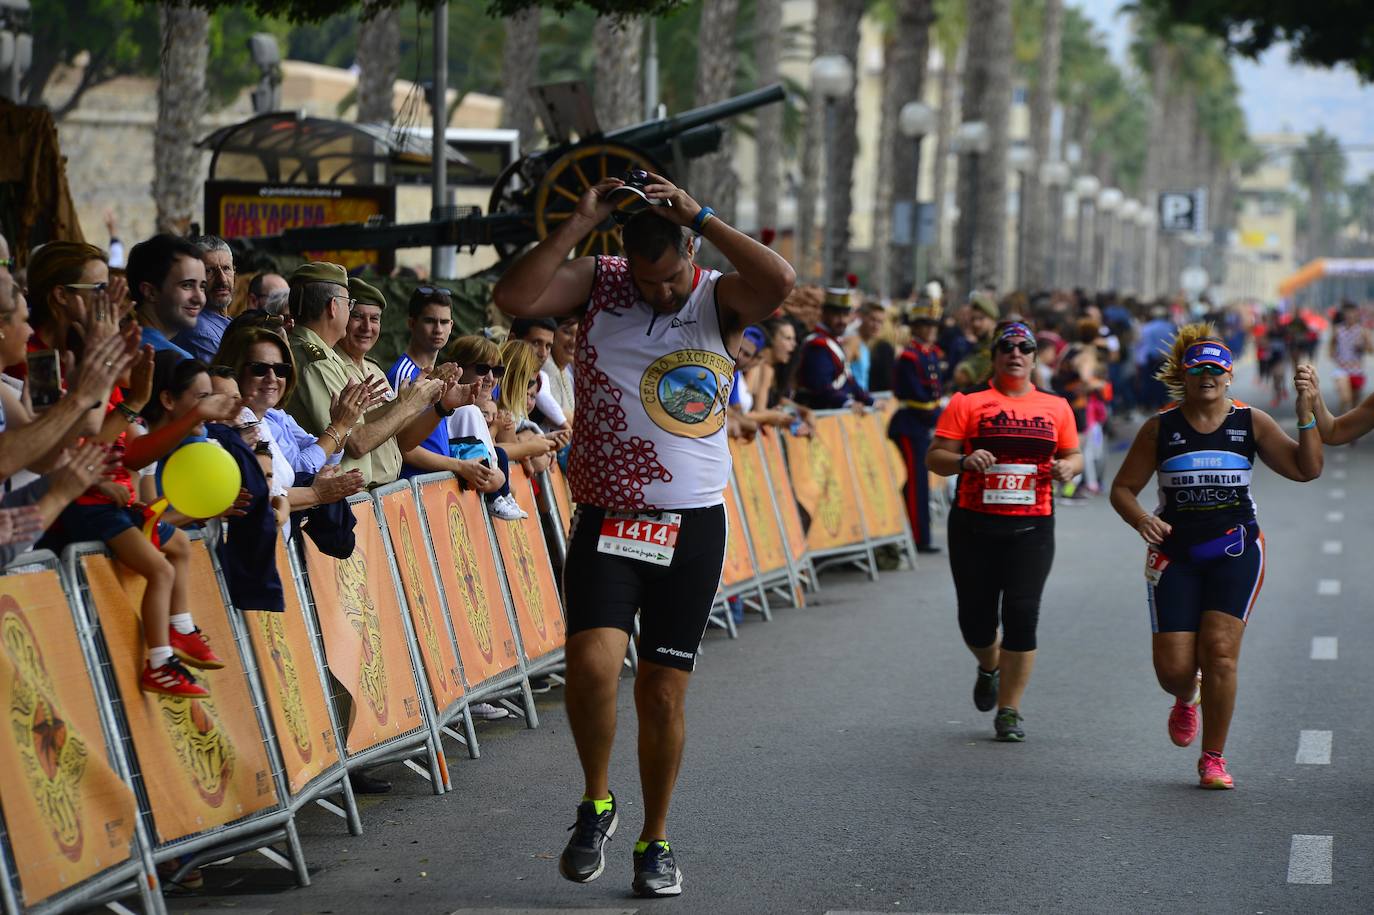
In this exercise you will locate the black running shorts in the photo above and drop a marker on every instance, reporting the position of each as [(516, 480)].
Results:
[(674, 601)]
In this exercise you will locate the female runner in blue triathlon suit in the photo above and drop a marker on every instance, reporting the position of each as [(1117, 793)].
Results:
[(1205, 558)]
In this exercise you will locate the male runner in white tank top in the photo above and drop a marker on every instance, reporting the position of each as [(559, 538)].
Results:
[(648, 467)]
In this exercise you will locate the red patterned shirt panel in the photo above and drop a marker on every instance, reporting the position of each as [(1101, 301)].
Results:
[(1024, 434)]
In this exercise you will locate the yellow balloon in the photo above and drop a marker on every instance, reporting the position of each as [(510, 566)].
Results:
[(201, 480)]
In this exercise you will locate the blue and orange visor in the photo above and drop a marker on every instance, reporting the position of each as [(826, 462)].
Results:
[(1208, 352)]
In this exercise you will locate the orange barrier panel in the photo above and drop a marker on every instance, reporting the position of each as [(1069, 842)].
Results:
[(882, 415), (291, 683), (784, 493), (204, 761), (472, 586), (526, 559), (364, 636), (867, 455), (737, 568), (68, 814), (824, 487), (422, 594), (562, 496), (758, 507)]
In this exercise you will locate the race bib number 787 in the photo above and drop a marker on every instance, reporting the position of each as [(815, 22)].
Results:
[(1009, 484)]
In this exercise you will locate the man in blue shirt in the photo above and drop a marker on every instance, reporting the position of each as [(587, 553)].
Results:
[(167, 283), (202, 341)]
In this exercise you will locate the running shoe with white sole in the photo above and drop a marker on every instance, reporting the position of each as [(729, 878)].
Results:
[(1184, 718), (1211, 771), (584, 858), (507, 509), (487, 712), (1008, 725), (656, 872)]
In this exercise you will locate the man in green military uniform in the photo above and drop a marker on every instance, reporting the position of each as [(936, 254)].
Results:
[(321, 303), (974, 369)]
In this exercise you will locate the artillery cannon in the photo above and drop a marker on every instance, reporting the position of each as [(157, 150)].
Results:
[(539, 190)]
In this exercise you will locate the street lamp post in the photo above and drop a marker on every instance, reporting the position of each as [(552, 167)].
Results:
[(1055, 175), (1085, 188), (1146, 219), (916, 121), (832, 78), (1021, 159), (1124, 264), (1107, 202), (972, 139)]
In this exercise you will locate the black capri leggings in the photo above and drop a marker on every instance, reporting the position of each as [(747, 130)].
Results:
[(1000, 563)]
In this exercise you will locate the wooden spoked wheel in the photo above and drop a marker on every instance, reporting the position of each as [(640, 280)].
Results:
[(568, 179)]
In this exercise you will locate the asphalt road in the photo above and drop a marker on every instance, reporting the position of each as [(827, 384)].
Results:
[(835, 761)]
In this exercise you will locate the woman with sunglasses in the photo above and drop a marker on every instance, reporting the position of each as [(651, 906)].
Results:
[(262, 363), (1009, 443), (69, 284), (1204, 560)]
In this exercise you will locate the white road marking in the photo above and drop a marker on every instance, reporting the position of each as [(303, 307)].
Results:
[(1309, 859), (1333, 547), (1329, 587), (1336, 493), (1314, 748), (1335, 517), (1340, 457), (1338, 474), (1324, 648)]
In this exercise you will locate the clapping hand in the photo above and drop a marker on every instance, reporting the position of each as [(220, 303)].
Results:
[(23, 524)]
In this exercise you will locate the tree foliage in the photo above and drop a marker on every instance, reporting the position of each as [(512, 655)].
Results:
[(1326, 33), (301, 11)]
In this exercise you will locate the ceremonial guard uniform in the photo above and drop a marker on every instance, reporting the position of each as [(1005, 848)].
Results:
[(824, 381), (917, 384)]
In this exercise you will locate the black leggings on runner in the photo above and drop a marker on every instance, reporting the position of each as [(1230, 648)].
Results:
[(999, 560)]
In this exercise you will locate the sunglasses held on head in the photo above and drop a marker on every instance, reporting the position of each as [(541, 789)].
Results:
[(1007, 347)]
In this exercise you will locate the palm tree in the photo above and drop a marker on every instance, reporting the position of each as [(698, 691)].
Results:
[(519, 72), (980, 240), (1319, 167), (768, 120), (619, 90), (842, 37), (904, 71), (713, 179), (379, 62), (1035, 206), (181, 99), (950, 29)]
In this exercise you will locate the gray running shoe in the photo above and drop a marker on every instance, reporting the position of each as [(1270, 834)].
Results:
[(1008, 725), (656, 873), (985, 689), (585, 857)]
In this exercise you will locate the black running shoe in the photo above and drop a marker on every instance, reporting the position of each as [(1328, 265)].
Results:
[(585, 857), (656, 872), (985, 689), (1008, 725)]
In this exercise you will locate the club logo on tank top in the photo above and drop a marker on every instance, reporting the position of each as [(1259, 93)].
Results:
[(686, 392)]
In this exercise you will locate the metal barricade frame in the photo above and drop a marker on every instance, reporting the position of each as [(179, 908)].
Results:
[(257, 831), (136, 876)]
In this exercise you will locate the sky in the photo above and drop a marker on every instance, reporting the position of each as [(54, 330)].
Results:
[(1278, 95)]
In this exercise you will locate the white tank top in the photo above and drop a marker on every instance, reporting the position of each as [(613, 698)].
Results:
[(651, 391)]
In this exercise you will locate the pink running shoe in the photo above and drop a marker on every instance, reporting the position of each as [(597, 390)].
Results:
[(1183, 718), (1211, 770)]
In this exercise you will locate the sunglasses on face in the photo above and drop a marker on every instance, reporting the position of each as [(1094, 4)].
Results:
[(484, 368), (260, 369), (1006, 348), (1207, 369)]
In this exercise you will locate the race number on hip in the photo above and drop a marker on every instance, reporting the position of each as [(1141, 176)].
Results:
[(1009, 484), (648, 537)]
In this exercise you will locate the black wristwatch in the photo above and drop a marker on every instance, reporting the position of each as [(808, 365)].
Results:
[(442, 412)]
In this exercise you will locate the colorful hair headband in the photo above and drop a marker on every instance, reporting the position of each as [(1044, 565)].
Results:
[(755, 336), (1208, 352), (1015, 329)]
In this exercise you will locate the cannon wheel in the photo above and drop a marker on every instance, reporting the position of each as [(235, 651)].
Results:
[(569, 177)]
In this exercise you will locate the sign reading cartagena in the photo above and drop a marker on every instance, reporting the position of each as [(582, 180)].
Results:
[(244, 209)]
